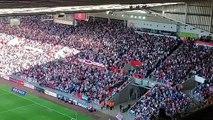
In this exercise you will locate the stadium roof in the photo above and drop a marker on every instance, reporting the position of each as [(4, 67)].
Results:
[(132, 15), (69, 6), (54, 3), (71, 9)]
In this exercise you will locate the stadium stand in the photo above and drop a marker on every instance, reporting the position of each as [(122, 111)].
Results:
[(175, 69), (170, 99), (45, 39), (88, 60)]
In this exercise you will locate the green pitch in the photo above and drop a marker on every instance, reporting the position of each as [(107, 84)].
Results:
[(29, 107)]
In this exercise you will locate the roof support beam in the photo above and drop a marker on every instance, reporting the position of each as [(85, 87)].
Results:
[(211, 15), (186, 12)]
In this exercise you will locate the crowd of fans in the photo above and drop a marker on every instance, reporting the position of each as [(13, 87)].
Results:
[(112, 45), (32, 55), (203, 91), (182, 63), (205, 70), (172, 100), (189, 59)]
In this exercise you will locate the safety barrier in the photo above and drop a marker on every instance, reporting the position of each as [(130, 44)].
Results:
[(79, 100)]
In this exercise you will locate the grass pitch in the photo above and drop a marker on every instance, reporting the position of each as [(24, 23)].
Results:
[(29, 107)]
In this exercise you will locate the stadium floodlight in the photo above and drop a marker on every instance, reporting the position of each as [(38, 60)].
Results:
[(139, 17), (131, 16), (135, 16), (144, 17), (109, 12), (122, 15)]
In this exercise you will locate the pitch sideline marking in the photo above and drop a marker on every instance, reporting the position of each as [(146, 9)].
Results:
[(16, 108), (4, 94), (2, 91), (40, 105)]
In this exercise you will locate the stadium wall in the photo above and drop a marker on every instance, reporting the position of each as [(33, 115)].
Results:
[(152, 25), (124, 95), (51, 92), (159, 22), (191, 30), (63, 19), (182, 30)]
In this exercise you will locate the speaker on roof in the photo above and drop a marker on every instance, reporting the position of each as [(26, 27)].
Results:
[(61, 15), (137, 7), (62, 18)]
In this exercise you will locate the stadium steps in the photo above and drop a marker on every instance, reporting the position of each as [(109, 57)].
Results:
[(189, 94), (146, 87), (193, 105), (151, 72)]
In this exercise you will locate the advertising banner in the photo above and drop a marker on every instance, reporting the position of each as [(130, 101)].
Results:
[(80, 16), (204, 43), (13, 80), (50, 93), (88, 62), (19, 91), (16, 81), (81, 105), (29, 85)]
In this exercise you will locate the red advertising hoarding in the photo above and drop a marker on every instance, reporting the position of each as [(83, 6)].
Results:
[(80, 16)]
